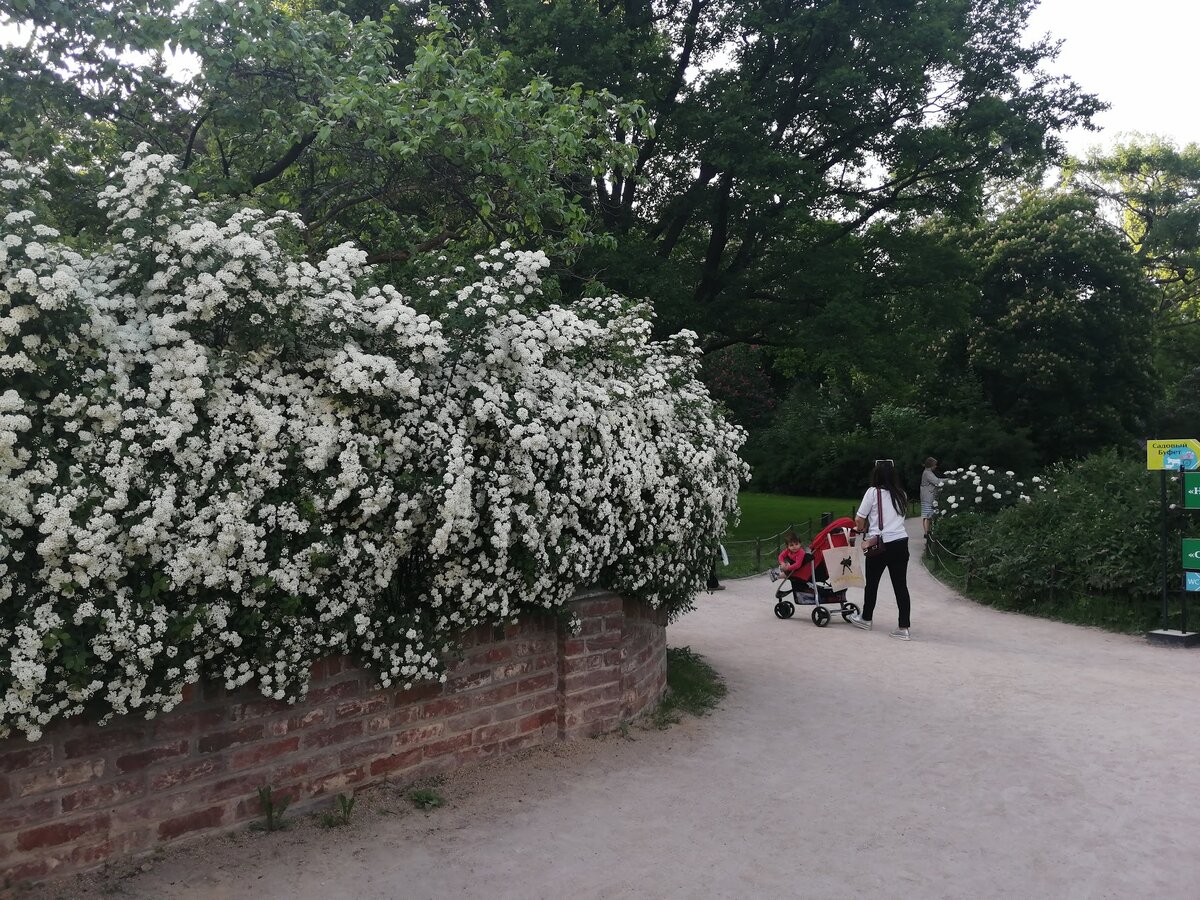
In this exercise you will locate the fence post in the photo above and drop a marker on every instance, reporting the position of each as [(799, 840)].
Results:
[(758, 554)]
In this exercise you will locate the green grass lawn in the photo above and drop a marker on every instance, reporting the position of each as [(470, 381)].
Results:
[(764, 515)]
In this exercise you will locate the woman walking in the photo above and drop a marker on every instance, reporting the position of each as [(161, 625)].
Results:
[(929, 488), (882, 513)]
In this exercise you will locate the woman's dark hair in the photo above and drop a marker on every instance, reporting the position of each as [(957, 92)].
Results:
[(884, 476), (930, 462)]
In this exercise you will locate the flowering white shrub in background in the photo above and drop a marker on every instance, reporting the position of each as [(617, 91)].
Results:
[(219, 460), (983, 489)]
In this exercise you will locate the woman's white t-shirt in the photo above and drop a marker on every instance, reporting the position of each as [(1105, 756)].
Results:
[(893, 522)]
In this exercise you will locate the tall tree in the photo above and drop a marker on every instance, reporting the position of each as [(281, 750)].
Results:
[(777, 130), (1059, 339), (401, 145), (1151, 188)]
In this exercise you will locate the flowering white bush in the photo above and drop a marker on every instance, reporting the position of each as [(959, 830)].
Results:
[(983, 489), (219, 460)]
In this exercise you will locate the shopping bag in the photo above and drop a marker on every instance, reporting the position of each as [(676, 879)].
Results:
[(844, 566)]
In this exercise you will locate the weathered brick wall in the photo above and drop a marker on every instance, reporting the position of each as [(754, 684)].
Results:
[(85, 794)]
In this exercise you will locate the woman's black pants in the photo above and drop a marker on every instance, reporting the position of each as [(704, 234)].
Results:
[(894, 558)]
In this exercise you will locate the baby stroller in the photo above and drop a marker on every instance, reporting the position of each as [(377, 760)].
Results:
[(811, 585)]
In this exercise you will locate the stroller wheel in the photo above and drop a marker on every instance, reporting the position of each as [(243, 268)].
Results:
[(785, 609), (848, 609), (820, 617)]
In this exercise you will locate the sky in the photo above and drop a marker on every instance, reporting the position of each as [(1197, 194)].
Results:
[(1140, 56)]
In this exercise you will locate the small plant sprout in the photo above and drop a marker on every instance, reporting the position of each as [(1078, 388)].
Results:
[(426, 798), (272, 808), (341, 815)]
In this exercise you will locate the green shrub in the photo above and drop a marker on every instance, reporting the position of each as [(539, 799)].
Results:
[(1086, 550)]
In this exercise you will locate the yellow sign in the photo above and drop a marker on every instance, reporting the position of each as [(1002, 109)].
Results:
[(1177, 455)]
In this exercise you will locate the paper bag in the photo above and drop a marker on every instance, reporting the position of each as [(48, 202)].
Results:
[(845, 567)]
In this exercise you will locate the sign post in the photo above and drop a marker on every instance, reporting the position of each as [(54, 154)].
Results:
[(1180, 455), (1191, 490)]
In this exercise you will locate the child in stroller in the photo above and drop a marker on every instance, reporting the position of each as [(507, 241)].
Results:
[(791, 565), (805, 578)]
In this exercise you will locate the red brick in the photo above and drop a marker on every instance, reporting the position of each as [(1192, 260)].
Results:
[(135, 762), (336, 665), (106, 793), (533, 648), (251, 807), (524, 705), (475, 754), (490, 734), (298, 722), (512, 670), (417, 694), (24, 871), (537, 682), (89, 854), (496, 654), (185, 724), (259, 753), (493, 695), (524, 742), (103, 738), (222, 740), (63, 776), (256, 709), (61, 832), (205, 818), (336, 782), (447, 706), (338, 691), (535, 721), (17, 815), (592, 695), (364, 706), (449, 745), (28, 758), (336, 734), (293, 769), (575, 682), (574, 647), (469, 721), (183, 773), (5, 789), (139, 813), (392, 720), (469, 681), (419, 735), (227, 788), (365, 750), (396, 761)]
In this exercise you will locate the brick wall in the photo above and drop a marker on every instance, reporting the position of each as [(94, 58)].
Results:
[(85, 794)]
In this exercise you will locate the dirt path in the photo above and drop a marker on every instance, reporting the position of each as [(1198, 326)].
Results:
[(993, 756)]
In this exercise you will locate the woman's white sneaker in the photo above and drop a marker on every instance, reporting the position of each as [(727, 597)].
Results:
[(859, 622), (902, 634)]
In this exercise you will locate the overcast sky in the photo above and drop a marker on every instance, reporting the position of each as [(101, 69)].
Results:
[(1141, 56)]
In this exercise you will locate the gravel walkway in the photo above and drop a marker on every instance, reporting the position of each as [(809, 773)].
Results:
[(993, 756)]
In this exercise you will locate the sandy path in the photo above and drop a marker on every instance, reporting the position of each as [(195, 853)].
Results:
[(993, 756)]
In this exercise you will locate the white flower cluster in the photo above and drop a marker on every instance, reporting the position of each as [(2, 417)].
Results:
[(983, 489), (217, 460)]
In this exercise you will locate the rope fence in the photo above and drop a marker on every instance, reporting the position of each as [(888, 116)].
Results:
[(754, 556)]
